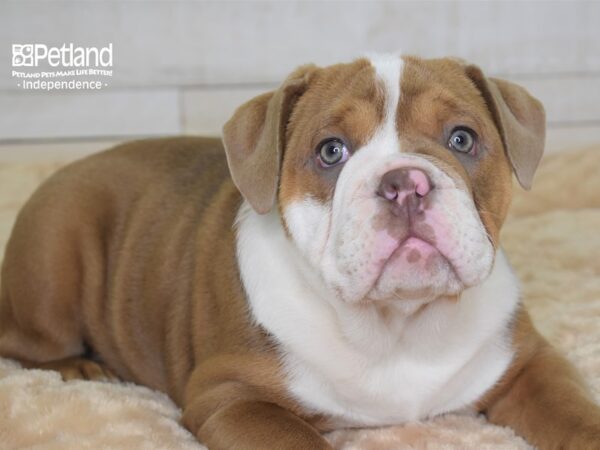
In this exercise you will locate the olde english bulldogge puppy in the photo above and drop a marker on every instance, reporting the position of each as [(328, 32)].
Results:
[(333, 262)]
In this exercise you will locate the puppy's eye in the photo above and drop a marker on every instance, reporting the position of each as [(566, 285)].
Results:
[(462, 140), (332, 152)]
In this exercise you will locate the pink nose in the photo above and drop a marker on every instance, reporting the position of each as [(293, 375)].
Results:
[(398, 184)]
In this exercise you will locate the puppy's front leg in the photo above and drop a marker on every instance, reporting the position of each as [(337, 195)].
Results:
[(255, 425), (235, 403), (543, 398)]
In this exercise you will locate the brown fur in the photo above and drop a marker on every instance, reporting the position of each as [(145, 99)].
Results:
[(542, 397), (129, 255)]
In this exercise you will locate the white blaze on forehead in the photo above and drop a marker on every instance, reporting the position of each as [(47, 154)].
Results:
[(388, 69)]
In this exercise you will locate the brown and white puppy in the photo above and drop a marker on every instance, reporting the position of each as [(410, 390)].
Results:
[(357, 280)]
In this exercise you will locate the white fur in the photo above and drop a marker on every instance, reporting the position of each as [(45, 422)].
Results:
[(349, 361)]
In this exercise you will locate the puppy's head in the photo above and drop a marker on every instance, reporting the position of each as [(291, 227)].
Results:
[(392, 176)]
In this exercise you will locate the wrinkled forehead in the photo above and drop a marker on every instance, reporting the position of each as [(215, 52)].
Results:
[(353, 99), (435, 91), (344, 99)]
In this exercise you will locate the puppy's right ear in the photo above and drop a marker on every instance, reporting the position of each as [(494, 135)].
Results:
[(254, 140), (521, 120)]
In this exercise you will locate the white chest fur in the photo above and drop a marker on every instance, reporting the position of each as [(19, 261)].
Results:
[(360, 366)]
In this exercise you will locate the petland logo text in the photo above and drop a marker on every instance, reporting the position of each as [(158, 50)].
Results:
[(72, 63), (30, 55)]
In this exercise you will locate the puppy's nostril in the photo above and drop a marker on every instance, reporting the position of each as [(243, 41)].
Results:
[(421, 190), (421, 181), (388, 192)]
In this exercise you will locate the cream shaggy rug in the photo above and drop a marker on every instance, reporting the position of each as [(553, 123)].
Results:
[(552, 238)]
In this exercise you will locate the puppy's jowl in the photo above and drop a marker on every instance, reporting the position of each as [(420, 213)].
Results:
[(335, 262)]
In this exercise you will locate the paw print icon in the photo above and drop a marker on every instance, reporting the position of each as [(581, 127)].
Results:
[(22, 55)]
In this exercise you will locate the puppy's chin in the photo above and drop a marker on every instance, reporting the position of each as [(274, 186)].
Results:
[(416, 270)]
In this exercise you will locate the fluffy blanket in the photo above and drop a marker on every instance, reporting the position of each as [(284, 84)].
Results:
[(552, 238)]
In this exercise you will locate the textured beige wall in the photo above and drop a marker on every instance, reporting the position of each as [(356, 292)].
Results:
[(182, 67)]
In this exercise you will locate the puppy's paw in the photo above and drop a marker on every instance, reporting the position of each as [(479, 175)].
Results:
[(79, 369)]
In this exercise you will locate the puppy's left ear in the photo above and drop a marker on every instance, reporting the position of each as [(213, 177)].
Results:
[(254, 140), (521, 120)]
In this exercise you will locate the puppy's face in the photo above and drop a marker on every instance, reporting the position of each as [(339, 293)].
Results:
[(394, 179)]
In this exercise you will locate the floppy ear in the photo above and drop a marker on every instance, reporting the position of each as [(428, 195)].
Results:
[(254, 140), (520, 119)]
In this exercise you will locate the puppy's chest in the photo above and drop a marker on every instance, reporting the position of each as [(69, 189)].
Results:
[(342, 361), (426, 375)]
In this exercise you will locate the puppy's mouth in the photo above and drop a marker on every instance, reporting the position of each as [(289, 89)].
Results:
[(414, 240), (416, 268), (415, 249), (417, 253)]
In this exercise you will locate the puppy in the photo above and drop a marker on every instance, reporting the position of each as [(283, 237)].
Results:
[(334, 262)]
